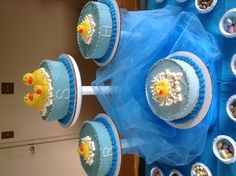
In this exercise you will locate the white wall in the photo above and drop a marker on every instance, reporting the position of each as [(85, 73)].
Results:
[(31, 30)]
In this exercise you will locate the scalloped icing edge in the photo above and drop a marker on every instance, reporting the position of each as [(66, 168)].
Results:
[(115, 160), (201, 97), (65, 121), (99, 29), (115, 36)]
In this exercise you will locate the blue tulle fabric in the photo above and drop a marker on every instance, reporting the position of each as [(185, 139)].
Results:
[(147, 36)]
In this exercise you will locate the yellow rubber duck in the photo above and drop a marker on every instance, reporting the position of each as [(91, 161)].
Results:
[(41, 90), (34, 100), (83, 150), (83, 28), (162, 89), (34, 78)]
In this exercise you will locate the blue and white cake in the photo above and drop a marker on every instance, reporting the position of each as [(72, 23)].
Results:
[(99, 147), (56, 87), (98, 30), (175, 89)]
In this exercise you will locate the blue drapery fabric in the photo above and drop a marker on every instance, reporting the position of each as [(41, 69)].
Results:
[(146, 37), (226, 86)]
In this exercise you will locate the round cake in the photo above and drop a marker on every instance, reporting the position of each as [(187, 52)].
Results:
[(98, 30), (99, 147), (56, 90), (175, 89)]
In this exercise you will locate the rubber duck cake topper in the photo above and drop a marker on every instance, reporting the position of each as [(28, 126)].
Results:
[(41, 98)]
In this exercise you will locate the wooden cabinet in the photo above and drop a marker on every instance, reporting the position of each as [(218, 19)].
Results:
[(54, 159)]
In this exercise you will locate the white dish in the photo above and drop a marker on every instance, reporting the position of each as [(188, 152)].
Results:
[(231, 101), (208, 9), (175, 172), (216, 151), (201, 165), (233, 64), (229, 13), (154, 170)]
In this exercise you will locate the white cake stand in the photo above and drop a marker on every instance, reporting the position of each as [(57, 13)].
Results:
[(208, 92), (80, 91)]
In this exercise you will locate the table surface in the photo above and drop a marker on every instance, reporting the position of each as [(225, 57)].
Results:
[(226, 86)]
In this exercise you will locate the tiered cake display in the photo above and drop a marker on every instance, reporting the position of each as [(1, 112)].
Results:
[(156, 86)]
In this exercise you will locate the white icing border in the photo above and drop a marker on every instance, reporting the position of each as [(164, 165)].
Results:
[(208, 92)]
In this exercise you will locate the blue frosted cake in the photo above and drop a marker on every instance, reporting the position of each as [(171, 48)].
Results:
[(98, 30), (175, 89), (55, 90), (99, 147)]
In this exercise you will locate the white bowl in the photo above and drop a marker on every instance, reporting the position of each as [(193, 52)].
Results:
[(202, 165), (216, 152), (154, 170), (175, 172), (221, 23), (208, 9), (230, 101), (233, 64)]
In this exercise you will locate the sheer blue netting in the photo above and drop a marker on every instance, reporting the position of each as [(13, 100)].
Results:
[(147, 36)]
